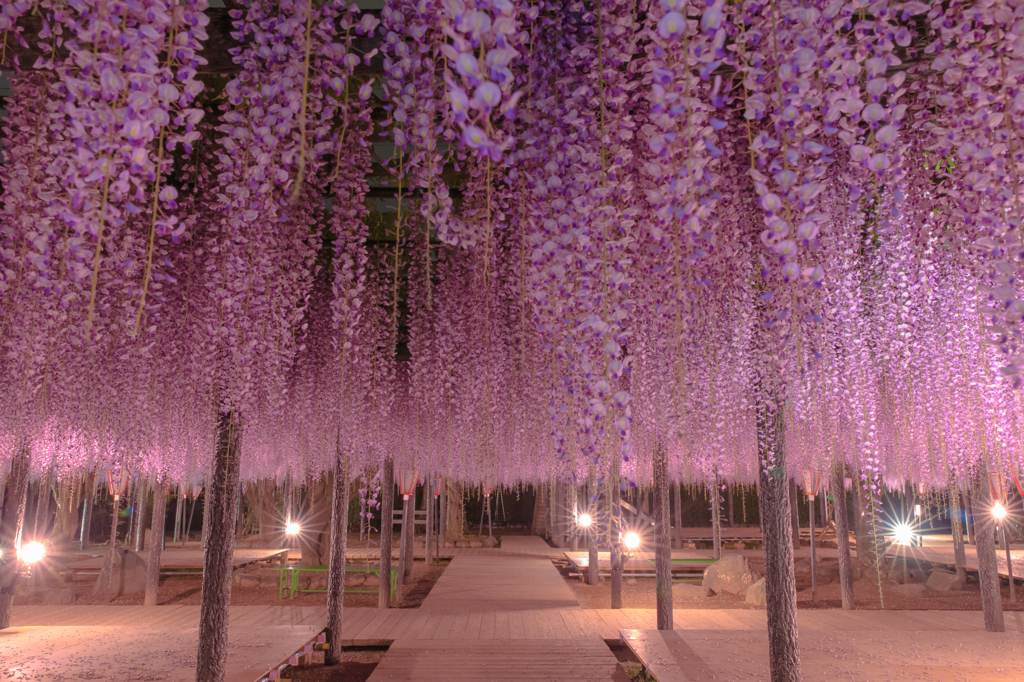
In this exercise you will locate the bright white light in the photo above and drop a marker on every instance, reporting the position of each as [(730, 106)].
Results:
[(917, 510), (903, 534), (291, 529), (632, 540), (999, 511), (31, 552), (585, 520)]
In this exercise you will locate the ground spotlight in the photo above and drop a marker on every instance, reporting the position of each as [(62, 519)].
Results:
[(292, 528), (631, 540), (585, 520), (31, 552), (999, 511)]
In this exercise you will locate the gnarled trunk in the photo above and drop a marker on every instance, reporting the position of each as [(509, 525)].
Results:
[(662, 539), (776, 530), (156, 543), (336, 575), (11, 527), (988, 570), (215, 601), (842, 535), (387, 518)]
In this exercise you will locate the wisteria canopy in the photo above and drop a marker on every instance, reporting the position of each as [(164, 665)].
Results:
[(513, 240)]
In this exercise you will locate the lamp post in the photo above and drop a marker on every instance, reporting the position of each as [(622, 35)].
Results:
[(117, 481), (999, 512), (812, 481)]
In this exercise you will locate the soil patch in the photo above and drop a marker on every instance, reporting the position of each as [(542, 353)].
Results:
[(357, 664)]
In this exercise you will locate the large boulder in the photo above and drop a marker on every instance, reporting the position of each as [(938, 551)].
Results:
[(756, 594), (732, 574), (490, 541), (129, 574), (942, 580), (909, 590)]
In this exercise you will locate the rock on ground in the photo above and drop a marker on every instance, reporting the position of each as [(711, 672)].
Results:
[(756, 594), (129, 574), (941, 580), (490, 541), (910, 589), (61, 596), (731, 574)]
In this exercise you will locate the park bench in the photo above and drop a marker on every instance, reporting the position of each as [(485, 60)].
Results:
[(294, 572)]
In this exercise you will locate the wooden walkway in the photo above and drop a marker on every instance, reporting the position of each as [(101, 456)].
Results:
[(946, 555)]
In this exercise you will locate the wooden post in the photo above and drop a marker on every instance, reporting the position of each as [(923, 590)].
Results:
[(972, 534), (729, 505), (178, 514), (140, 512), (988, 570), (676, 487), (594, 532), (336, 574), (156, 542), (387, 517), (795, 512), (112, 559), (776, 529), (215, 601), (959, 551), (88, 493), (716, 518), (12, 525), (614, 528), (442, 508), (428, 540), (814, 554), (662, 539), (1009, 562), (842, 535)]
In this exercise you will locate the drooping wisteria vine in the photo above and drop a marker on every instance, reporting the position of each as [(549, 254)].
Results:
[(594, 229)]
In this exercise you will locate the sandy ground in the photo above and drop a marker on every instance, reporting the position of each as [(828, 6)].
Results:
[(641, 595), (186, 590)]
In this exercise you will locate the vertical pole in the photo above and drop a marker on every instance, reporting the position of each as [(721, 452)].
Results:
[(240, 518), (42, 519), (428, 544), (1009, 563), (814, 557), (776, 528), (679, 513), (795, 513), (403, 538), (972, 535), (442, 503), (112, 559), (574, 508), (215, 601), (410, 543), (140, 515), (156, 542), (594, 532), (336, 574), (12, 524), (87, 495), (490, 520), (959, 551), (716, 518), (614, 527), (663, 539), (387, 517), (177, 515), (842, 535), (728, 502), (988, 570)]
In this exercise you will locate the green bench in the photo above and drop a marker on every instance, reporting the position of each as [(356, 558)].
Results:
[(296, 572)]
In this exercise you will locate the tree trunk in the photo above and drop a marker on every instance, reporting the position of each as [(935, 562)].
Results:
[(336, 575), (794, 511), (456, 514), (614, 528), (959, 551), (729, 505), (972, 534), (387, 517), (315, 539), (988, 570), (141, 507), (776, 530), (662, 539), (442, 508), (842, 535), (262, 496), (156, 544), (215, 601), (11, 526), (178, 512)]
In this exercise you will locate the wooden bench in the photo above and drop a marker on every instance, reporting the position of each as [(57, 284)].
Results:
[(296, 571)]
